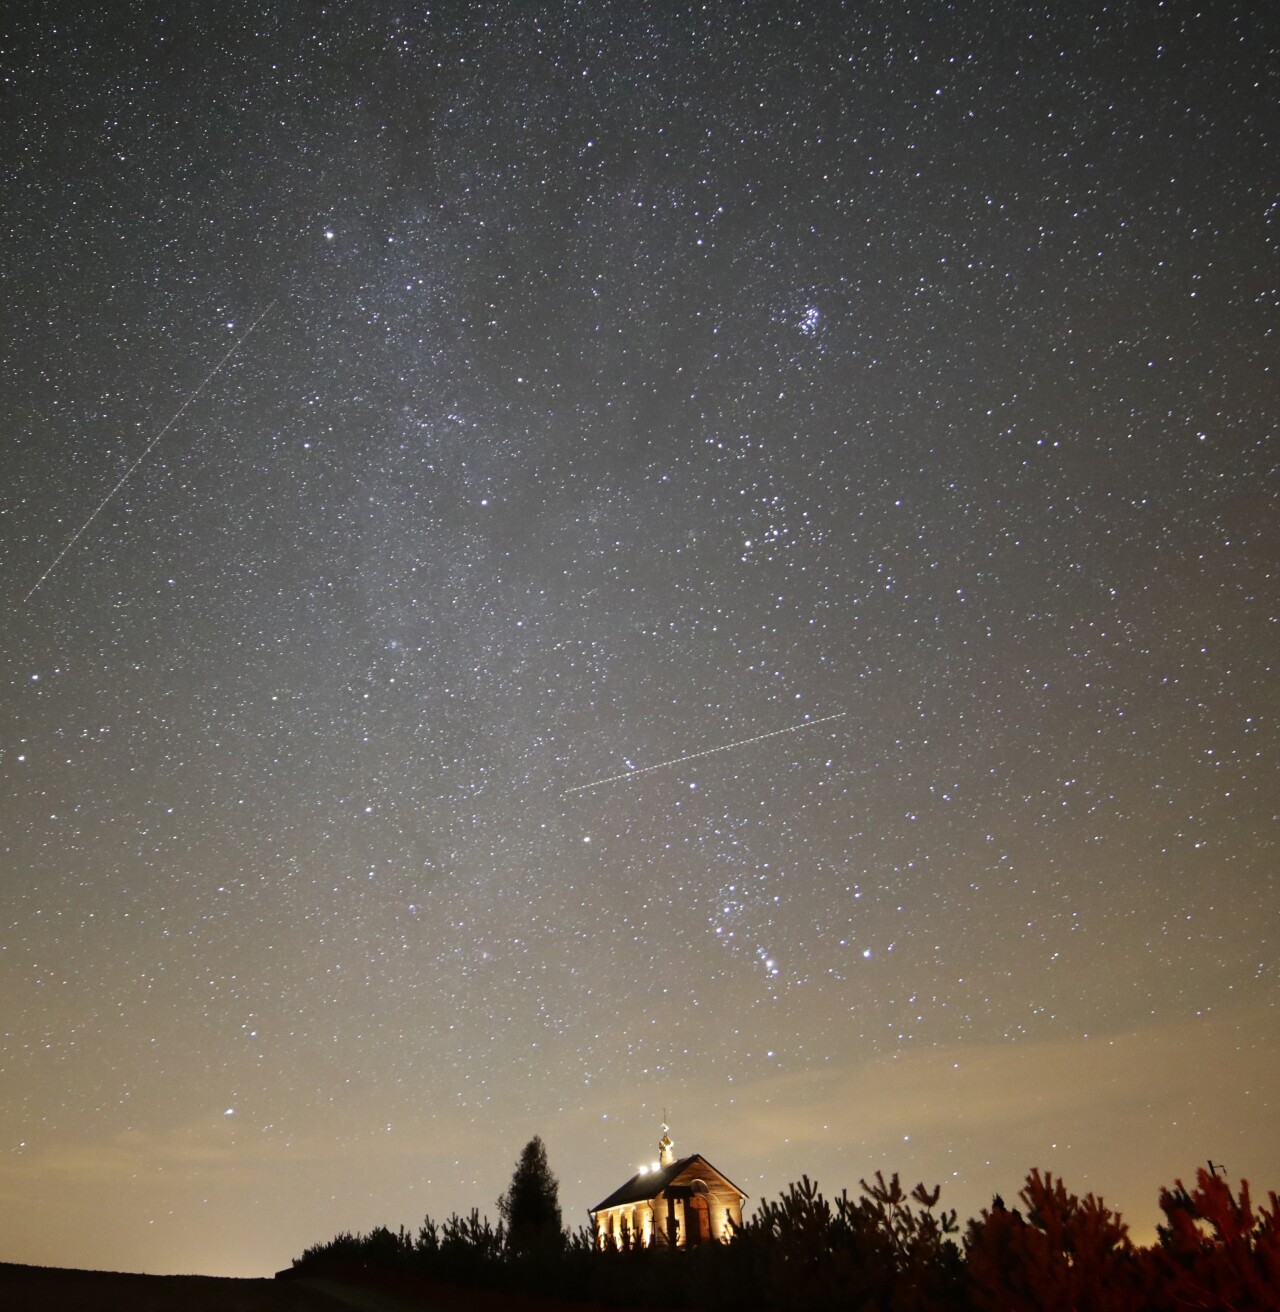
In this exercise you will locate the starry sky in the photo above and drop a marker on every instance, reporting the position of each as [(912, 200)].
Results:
[(708, 557)]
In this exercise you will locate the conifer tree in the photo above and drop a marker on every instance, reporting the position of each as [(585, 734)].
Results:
[(531, 1205)]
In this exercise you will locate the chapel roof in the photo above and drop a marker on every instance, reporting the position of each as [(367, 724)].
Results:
[(645, 1185)]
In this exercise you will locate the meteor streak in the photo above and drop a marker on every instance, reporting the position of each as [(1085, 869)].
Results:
[(710, 751), (128, 473)]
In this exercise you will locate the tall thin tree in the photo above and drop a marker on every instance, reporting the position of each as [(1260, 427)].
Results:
[(531, 1205)]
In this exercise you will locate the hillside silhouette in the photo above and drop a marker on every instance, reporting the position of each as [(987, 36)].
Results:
[(884, 1250), (55, 1289)]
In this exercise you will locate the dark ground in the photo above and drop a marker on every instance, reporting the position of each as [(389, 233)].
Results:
[(53, 1289)]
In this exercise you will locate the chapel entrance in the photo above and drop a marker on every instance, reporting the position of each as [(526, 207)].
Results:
[(699, 1214)]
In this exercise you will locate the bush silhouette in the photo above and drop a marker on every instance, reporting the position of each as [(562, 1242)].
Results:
[(1215, 1249), (1068, 1254), (884, 1251)]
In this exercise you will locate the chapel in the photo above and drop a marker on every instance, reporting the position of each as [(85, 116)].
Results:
[(675, 1203)]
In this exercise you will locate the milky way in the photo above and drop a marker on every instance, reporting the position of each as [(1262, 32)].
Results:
[(642, 378)]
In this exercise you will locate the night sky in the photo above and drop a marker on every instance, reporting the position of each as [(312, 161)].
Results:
[(883, 393)]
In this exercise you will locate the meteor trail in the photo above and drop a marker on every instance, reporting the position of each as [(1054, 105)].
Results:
[(177, 414), (711, 751)]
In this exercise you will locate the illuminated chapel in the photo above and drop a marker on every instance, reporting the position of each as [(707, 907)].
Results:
[(675, 1203)]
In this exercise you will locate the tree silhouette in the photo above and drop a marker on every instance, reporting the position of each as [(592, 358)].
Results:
[(1068, 1254), (888, 1250), (1218, 1249), (806, 1252), (531, 1205)]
